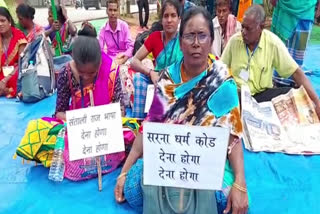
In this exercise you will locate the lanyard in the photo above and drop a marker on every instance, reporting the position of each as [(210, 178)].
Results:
[(6, 56), (116, 42), (82, 91), (250, 57), (249, 60), (6, 51), (165, 51)]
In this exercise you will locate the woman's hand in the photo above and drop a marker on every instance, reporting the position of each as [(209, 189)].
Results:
[(121, 59), (61, 116), (118, 190), (154, 76), (237, 202)]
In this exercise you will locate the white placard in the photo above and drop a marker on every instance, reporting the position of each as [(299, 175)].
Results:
[(94, 131), (149, 99), (182, 156)]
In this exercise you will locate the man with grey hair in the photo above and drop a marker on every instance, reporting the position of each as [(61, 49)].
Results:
[(253, 54)]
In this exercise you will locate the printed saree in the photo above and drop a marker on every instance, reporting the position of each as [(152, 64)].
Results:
[(287, 14), (209, 99), (105, 82), (37, 30), (66, 41), (169, 55), (10, 58)]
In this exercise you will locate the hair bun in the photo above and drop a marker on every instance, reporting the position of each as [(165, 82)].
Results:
[(87, 30)]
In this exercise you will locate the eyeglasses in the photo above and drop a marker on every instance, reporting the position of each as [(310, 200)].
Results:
[(190, 38)]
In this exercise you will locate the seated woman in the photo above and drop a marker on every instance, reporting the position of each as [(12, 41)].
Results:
[(89, 70), (30, 29), (12, 43), (191, 92), (65, 27), (224, 26), (165, 48)]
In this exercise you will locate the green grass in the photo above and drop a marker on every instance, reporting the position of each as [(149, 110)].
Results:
[(98, 24), (315, 35)]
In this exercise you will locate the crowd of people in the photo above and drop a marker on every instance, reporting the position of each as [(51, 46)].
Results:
[(192, 57)]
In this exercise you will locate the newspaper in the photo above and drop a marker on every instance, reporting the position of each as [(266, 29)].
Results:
[(288, 123), (295, 108)]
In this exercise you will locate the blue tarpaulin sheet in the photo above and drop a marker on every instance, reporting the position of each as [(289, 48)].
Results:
[(278, 183)]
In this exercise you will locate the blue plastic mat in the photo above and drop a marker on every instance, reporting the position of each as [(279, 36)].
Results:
[(277, 183), (280, 183), (27, 189)]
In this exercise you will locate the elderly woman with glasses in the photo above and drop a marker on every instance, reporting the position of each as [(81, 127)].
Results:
[(199, 91)]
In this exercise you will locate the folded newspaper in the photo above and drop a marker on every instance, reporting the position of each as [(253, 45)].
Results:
[(287, 124)]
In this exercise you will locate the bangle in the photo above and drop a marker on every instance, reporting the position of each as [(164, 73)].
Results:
[(122, 175), (140, 129), (240, 188)]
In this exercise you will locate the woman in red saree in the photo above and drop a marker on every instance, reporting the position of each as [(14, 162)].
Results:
[(12, 43)]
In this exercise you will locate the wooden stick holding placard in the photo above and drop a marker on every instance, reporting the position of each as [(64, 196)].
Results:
[(99, 173), (97, 158)]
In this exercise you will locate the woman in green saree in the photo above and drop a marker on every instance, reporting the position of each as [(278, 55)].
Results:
[(197, 90)]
